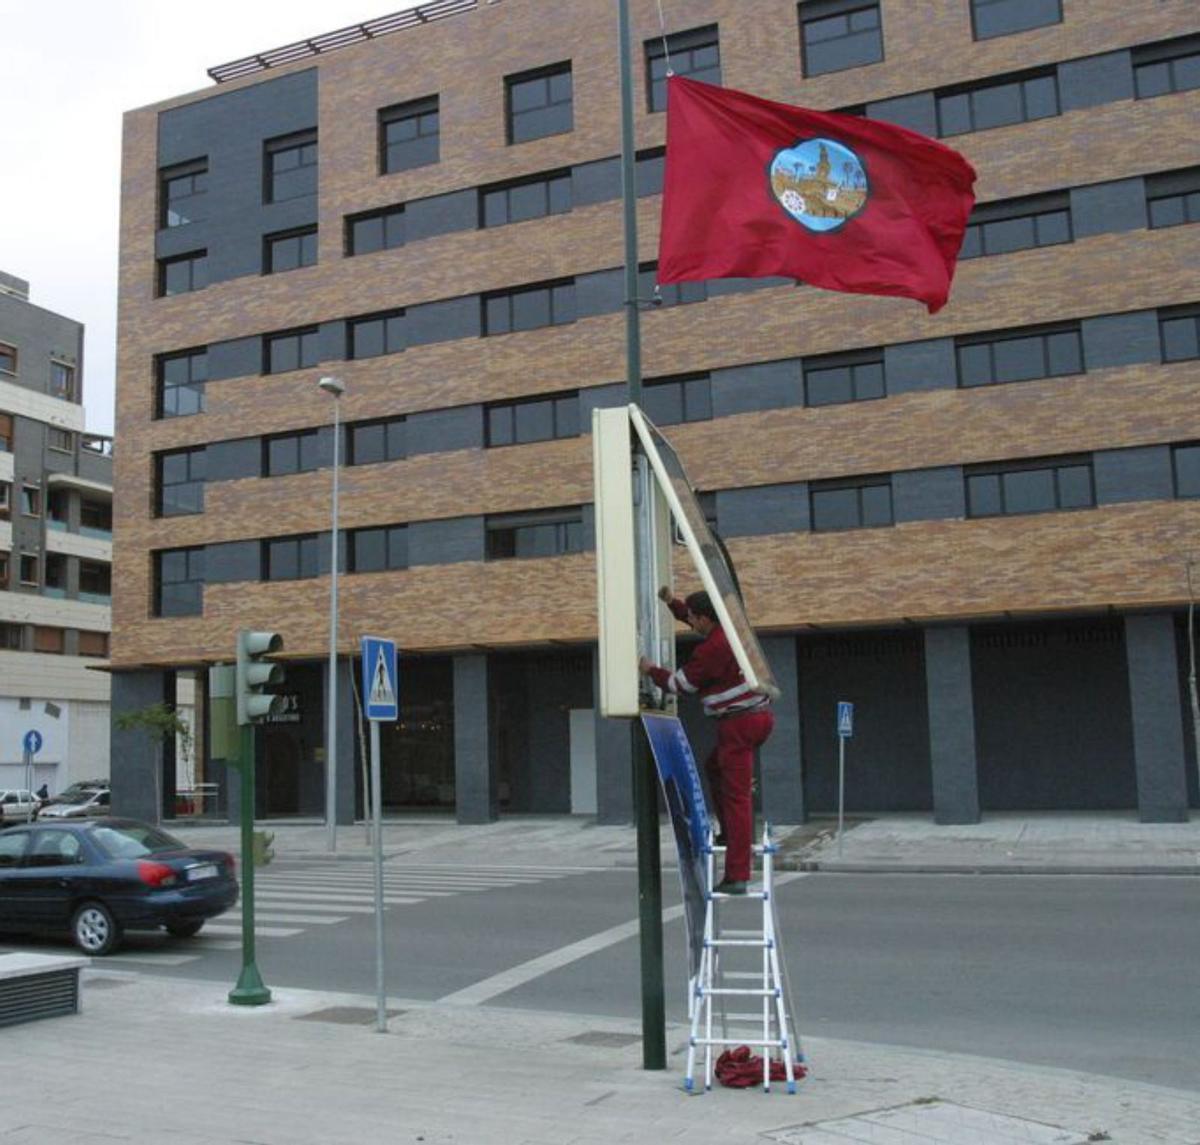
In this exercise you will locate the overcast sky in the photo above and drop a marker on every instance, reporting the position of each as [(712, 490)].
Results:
[(71, 68)]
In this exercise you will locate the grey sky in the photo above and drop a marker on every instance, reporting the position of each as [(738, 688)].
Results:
[(71, 68)]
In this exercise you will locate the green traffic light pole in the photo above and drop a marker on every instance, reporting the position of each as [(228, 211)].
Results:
[(250, 990)]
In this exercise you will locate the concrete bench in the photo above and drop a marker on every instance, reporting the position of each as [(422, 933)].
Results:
[(36, 986)]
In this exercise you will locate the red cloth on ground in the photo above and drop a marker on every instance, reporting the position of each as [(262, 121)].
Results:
[(739, 1069)]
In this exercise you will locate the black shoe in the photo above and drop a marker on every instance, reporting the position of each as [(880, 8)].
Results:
[(730, 887)]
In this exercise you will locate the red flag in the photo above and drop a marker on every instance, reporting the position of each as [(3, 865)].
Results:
[(755, 189)]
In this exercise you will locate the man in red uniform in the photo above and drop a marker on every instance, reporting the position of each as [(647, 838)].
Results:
[(744, 722)]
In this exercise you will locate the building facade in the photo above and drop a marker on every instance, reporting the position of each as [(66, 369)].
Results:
[(977, 525), (55, 551)]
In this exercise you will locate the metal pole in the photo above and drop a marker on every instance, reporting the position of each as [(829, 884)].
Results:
[(250, 990), (29, 785), (645, 794), (377, 819), (841, 787), (331, 719)]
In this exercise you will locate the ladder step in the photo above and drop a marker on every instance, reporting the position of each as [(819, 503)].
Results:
[(729, 932), (773, 1043), (742, 975), (759, 992), (759, 942), (755, 1018)]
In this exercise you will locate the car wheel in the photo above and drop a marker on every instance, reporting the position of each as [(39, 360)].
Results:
[(188, 929), (94, 929)]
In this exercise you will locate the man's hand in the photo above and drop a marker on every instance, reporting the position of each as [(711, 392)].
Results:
[(665, 595)]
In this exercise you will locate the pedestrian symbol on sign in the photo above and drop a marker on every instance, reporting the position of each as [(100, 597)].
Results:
[(845, 719), (379, 678), (381, 684)]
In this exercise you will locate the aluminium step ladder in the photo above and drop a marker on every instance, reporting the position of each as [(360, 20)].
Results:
[(770, 1026)]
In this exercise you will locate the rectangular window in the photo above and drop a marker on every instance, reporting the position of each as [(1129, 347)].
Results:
[(695, 54), (62, 381), (182, 274), (286, 453), (55, 572), (539, 103), (374, 441), (1017, 224), (527, 308), (550, 533), (179, 582), (5, 487), (378, 549), (1174, 65), (1019, 355), (649, 168), (293, 350), (58, 506), (1004, 17), (291, 558), (679, 399), (1185, 464), (539, 419), (998, 103), (1041, 486), (667, 294), (93, 644), (95, 515), (527, 199), (31, 501), (48, 639), (181, 379), (290, 167), (377, 334), (8, 358), (12, 636), (290, 250), (409, 135), (1173, 198), (181, 193), (95, 578), (833, 379), (1179, 328), (6, 432), (28, 569), (839, 34), (61, 440), (181, 476), (859, 503), (375, 230)]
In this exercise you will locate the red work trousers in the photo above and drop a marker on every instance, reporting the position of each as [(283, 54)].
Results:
[(730, 771)]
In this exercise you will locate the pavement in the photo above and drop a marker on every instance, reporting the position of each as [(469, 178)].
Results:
[(154, 1059)]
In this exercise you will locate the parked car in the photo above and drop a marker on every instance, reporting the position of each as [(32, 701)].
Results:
[(75, 788), (17, 805), (78, 804), (95, 878)]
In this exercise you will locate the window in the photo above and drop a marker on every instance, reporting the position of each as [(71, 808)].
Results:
[(527, 199), (95, 578), (1159, 69), (860, 503), (8, 358), (183, 274), (546, 534), (62, 381), (6, 432), (1030, 487), (679, 399), (181, 482), (96, 515), (291, 558), (1173, 198), (55, 572), (4, 500), (290, 250), (549, 304), (695, 54), (839, 34), (1179, 328), (1003, 17), (58, 506), (181, 193), (539, 103), (1019, 355), (1185, 463), (375, 230), (48, 639), (376, 335), (1017, 224), (833, 379), (12, 636), (93, 644), (648, 170), (291, 167), (409, 135), (293, 350), (62, 440), (372, 441), (998, 103), (181, 379), (31, 501), (542, 419), (179, 582), (667, 294), (291, 453), (374, 550), (28, 569)]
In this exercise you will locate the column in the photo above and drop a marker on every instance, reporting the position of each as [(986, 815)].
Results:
[(474, 768), (140, 761), (951, 725), (780, 758), (614, 767)]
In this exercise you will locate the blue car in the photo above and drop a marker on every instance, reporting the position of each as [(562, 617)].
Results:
[(95, 878)]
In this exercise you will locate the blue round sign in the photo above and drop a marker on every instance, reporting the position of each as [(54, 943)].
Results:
[(33, 742)]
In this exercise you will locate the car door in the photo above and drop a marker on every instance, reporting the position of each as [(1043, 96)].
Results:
[(51, 871), (13, 845), (99, 804)]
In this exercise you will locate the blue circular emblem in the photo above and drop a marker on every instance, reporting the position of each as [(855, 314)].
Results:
[(820, 183)]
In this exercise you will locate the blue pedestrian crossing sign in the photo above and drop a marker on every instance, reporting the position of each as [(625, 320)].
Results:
[(845, 719), (380, 689), (32, 742)]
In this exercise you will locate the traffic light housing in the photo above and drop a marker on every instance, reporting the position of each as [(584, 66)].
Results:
[(254, 674)]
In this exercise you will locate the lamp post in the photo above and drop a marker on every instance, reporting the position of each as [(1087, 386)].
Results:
[(335, 387)]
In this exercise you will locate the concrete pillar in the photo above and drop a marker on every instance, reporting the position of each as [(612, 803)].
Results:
[(780, 757), (136, 755), (1157, 718), (474, 768), (614, 755), (951, 725), (346, 734)]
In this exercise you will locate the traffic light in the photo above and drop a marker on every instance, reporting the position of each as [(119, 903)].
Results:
[(254, 674)]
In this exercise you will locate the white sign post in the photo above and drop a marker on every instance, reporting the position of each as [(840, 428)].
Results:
[(32, 744), (380, 689), (845, 729)]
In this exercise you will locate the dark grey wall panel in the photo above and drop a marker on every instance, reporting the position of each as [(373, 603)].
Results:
[(762, 385), (914, 366), (38, 336), (600, 397), (474, 772), (1106, 208), (763, 509), (232, 561), (600, 293), (614, 760), (134, 782), (95, 467), (443, 321), (719, 286), (780, 758), (237, 358), (916, 112), (951, 725), (232, 460), (445, 542), (441, 215), (596, 182), (1141, 474), (928, 494), (443, 430), (1121, 340), (1095, 80)]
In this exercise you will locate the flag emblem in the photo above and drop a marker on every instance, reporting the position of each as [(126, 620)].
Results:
[(819, 182)]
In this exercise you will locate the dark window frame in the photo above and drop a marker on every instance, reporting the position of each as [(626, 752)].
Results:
[(515, 117), (273, 242), (679, 48), (813, 12), (193, 176), (419, 111), (301, 551), (58, 371), (195, 263), (505, 533), (9, 354), (307, 340), (395, 549), (668, 294), (1187, 319), (299, 142), (190, 588), (1173, 187), (1042, 211), (694, 397), (391, 323), (392, 232), (969, 344), (1163, 59), (512, 297), (991, 85), (496, 199), (1018, 5), (564, 423), (858, 485), (190, 485), (1189, 447), (285, 454), (1001, 470), (857, 363), (393, 439), (192, 384)]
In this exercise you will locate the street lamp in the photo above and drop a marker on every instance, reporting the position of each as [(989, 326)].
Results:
[(335, 387)]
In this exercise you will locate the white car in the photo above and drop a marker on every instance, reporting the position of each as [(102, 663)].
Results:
[(78, 805), (17, 805)]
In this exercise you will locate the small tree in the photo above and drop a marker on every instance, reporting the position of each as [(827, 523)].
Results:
[(159, 722)]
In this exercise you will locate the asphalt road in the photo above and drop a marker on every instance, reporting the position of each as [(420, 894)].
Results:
[(1089, 973)]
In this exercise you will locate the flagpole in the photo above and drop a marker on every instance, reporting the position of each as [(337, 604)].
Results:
[(645, 794)]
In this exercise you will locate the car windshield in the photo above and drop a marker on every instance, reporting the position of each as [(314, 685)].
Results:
[(132, 841)]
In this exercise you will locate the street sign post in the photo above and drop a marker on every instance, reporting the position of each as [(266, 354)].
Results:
[(381, 702), (31, 745), (845, 729)]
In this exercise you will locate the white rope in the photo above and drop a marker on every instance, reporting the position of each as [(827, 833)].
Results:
[(662, 30)]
